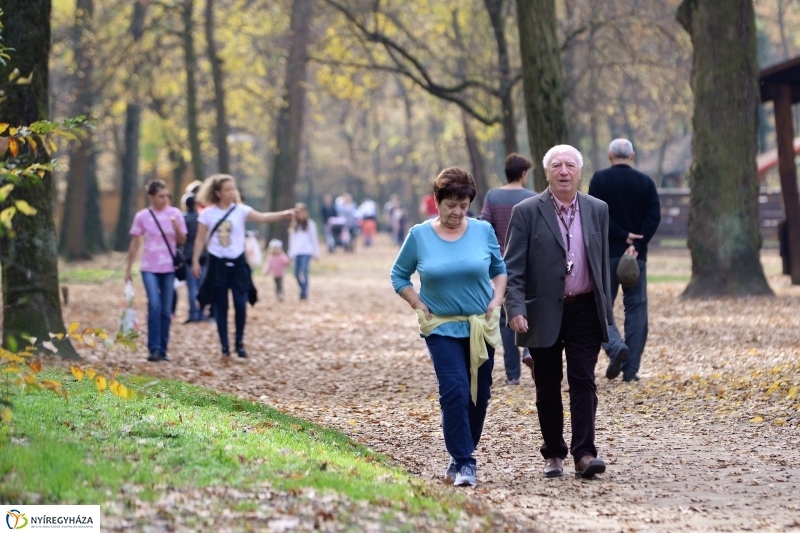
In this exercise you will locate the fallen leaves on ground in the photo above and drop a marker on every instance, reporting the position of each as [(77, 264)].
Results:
[(708, 439)]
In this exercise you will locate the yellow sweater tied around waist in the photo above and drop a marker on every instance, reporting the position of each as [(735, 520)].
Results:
[(481, 331)]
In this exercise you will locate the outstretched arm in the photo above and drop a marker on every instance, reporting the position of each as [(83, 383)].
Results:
[(268, 218)]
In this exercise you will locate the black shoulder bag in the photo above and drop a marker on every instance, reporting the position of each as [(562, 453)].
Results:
[(177, 258), (218, 223)]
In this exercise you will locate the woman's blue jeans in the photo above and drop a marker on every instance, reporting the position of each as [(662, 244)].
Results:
[(462, 420), (301, 273), (160, 292), (192, 284)]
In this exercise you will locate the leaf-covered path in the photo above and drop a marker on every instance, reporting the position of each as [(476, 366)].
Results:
[(708, 440)]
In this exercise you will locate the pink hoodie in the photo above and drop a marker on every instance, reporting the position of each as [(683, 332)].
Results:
[(276, 263)]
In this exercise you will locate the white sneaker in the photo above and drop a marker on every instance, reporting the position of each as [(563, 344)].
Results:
[(466, 477), (451, 471)]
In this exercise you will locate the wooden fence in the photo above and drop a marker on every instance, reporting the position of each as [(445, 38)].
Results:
[(673, 230)]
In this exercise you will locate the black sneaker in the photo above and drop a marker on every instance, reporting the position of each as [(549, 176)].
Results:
[(615, 365), (240, 351), (162, 356), (226, 352), (154, 356)]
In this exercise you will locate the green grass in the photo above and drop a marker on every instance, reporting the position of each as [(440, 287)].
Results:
[(89, 276), (87, 449), (668, 278)]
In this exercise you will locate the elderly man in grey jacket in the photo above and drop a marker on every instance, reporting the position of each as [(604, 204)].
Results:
[(558, 298)]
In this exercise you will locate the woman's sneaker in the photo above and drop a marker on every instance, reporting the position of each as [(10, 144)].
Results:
[(451, 471), (466, 477), (240, 351)]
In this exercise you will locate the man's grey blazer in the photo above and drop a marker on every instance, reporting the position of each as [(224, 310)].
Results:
[(536, 264)]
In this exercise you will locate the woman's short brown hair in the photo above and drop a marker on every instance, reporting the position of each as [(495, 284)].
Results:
[(153, 186), (516, 165), (455, 183)]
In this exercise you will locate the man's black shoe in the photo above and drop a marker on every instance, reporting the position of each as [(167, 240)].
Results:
[(587, 466), (615, 366), (240, 351), (154, 356), (162, 356)]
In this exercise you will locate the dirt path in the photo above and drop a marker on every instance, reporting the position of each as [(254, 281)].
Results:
[(686, 448)]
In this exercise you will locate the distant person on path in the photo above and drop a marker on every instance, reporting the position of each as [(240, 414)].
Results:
[(277, 262), (192, 283), (497, 208), (399, 224), (559, 299), (303, 245), (458, 260), (222, 226), (634, 212), (427, 207), (347, 209), (388, 209), (163, 229), (368, 213), (328, 211)]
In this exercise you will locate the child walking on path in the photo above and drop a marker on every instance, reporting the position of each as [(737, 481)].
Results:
[(303, 245), (276, 262)]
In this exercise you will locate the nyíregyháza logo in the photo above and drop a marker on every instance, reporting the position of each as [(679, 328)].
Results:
[(16, 519)]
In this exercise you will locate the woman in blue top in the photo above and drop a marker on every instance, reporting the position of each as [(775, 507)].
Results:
[(462, 275)]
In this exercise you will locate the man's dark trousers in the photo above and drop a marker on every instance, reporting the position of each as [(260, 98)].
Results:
[(634, 301), (580, 337)]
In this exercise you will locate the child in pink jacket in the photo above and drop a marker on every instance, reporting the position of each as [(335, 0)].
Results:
[(277, 262)]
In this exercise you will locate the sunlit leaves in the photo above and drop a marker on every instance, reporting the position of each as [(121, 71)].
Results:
[(24, 208), (100, 383), (77, 372), (50, 346)]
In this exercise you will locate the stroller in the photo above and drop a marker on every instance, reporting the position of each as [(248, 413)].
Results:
[(337, 234)]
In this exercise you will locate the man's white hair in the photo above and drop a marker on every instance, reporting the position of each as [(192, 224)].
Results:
[(560, 149), (621, 149)]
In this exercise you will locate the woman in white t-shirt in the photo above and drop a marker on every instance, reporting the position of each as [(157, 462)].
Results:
[(227, 269), (303, 245)]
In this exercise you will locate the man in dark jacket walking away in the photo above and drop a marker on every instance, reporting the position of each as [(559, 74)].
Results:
[(497, 208), (634, 214)]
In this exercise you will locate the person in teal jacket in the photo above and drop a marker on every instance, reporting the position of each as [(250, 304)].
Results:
[(463, 280)]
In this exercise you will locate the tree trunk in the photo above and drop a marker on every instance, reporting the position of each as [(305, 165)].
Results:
[(495, 10), (478, 168), (221, 131), (129, 188), (130, 161), (724, 238), (191, 90), (73, 244), (93, 221), (542, 81), (289, 129), (178, 168), (31, 302)]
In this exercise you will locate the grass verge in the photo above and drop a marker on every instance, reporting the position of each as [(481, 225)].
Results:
[(89, 276), (668, 278), (93, 448)]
